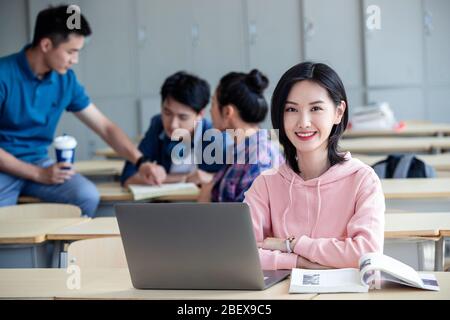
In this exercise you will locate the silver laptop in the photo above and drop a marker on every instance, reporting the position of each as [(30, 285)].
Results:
[(192, 246)]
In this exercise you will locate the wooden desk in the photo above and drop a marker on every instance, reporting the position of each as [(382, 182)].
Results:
[(392, 188), (397, 225), (401, 225), (435, 226), (410, 129), (99, 167), (109, 192), (108, 153), (416, 188), (114, 192), (394, 292), (23, 241), (95, 228), (33, 231), (390, 145), (115, 284), (440, 162)]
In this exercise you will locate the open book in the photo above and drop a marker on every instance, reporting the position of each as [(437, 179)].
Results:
[(373, 269), (141, 192)]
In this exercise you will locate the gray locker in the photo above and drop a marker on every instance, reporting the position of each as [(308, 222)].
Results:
[(437, 41), (407, 103), (13, 16), (394, 54), (108, 59), (164, 41), (332, 35), (218, 38)]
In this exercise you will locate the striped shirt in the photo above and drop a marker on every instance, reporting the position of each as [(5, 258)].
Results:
[(244, 163)]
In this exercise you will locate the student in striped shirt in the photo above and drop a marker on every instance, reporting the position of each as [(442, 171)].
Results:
[(238, 106)]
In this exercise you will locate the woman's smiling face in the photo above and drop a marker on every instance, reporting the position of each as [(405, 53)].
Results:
[(309, 116)]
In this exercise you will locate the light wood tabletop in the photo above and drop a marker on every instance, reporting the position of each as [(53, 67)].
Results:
[(115, 284), (95, 228), (393, 189), (397, 292), (410, 129), (99, 167), (114, 192), (440, 162), (108, 153), (389, 145), (425, 224), (397, 225), (33, 231), (416, 188)]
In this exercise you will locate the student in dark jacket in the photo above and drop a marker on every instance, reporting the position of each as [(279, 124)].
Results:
[(184, 98)]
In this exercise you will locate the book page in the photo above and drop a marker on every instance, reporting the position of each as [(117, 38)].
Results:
[(429, 281), (333, 280), (141, 192), (374, 266)]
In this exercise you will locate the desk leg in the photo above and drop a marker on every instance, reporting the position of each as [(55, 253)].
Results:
[(55, 256), (63, 259), (439, 254)]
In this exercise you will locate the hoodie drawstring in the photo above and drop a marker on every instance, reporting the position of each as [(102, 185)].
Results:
[(318, 207), (288, 207)]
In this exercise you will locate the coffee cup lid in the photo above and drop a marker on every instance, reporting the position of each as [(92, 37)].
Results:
[(65, 142)]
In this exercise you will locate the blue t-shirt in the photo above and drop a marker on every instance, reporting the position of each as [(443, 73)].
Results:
[(157, 146), (30, 108)]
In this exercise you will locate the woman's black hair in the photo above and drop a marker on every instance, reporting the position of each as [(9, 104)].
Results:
[(186, 89), (245, 92), (328, 79)]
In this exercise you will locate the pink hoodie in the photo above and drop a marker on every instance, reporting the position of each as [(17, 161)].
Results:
[(337, 217)]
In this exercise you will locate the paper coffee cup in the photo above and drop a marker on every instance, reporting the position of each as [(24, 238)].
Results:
[(65, 148)]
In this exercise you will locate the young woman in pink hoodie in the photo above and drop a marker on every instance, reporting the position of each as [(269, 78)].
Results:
[(322, 209)]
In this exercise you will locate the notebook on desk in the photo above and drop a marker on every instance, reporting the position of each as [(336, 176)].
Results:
[(192, 246), (142, 192)]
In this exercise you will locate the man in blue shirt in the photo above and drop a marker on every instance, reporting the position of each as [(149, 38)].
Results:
[(36, 87)]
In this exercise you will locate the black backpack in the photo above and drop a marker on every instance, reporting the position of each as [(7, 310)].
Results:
[(400, 166)]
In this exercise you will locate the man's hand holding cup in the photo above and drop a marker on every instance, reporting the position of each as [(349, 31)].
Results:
[(62, 170)]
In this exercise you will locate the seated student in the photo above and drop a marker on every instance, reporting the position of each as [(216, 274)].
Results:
[(238, 106), (322, 208), (37, 85), (183, 100)]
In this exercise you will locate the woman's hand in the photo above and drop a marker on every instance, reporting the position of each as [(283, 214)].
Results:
[(200, 177), (280, 244), (205, 193), (304, 263), (273, 244)]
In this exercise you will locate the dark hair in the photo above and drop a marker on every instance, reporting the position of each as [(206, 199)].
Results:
[(52, 23), (328, 79), (186, 89), (245, 91)]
